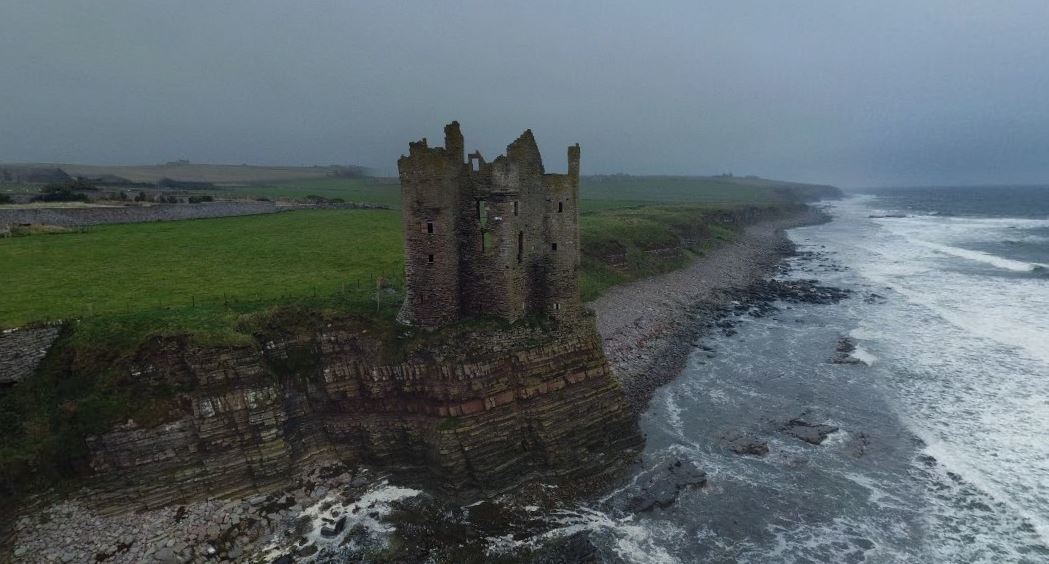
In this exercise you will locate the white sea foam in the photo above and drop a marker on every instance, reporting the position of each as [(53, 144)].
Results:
[(631, 541), (863, 355), (965, 355), (365, 513), (980, 256), (673, 412)]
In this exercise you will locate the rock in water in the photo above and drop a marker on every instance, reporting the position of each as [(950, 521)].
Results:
[(575, 548), (812, 433), (746, 445), (334, 530), (661, 486)]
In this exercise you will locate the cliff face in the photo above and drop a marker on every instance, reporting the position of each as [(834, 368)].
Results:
[(467, 409)]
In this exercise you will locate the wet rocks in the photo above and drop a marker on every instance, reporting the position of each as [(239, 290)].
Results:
[(858, 446), (334, 530), (843, 352), (795, 292), (573, 549), (660, 487), (745, 444), (197, 531), (812, 433), (874, 298)]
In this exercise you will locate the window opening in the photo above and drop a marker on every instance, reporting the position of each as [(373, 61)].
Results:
[(560, 207), (429, 227), (429, 258), (553, 246), (520, 246), (517, 207)]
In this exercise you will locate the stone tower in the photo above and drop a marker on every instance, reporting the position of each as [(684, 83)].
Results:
[(482, 238)]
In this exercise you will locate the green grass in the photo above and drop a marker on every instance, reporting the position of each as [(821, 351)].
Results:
[(643, 241), (384, 191), (199, 274), (702, 190), (11, 189)]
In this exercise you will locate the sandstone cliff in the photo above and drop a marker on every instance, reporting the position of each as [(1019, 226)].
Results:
[(474, 408)]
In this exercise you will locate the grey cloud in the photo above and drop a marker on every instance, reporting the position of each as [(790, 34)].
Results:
[(930, 92)]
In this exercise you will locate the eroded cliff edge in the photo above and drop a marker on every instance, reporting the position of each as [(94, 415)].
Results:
[(474, 408)]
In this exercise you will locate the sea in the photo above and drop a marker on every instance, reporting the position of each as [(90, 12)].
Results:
[(942, 407)]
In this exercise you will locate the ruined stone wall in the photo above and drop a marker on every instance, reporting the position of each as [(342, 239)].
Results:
[(430, 190), (479, 410), (517, 229)]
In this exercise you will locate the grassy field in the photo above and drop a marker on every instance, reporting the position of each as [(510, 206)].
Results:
[(216, 173), (385, 191), (202, 276), (199, 274), (704, 190)]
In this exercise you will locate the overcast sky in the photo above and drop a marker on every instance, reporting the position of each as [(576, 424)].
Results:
[(846, 92)]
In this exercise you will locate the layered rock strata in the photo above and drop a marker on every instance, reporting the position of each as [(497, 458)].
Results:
[(467, 409), (22, 350)]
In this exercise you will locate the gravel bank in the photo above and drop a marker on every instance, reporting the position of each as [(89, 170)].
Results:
[(649, 326)]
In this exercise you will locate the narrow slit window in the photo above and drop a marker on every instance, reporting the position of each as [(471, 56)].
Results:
[(557, 307), (429, 227), (482, 213), (553, 246), (517, 207), (429, 258), (560, 207), (520, 246)]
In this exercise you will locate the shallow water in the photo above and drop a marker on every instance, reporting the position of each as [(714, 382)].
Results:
[(942, 453)]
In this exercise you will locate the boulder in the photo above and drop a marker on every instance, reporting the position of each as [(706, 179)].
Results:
[(812, 433), (661, 486)]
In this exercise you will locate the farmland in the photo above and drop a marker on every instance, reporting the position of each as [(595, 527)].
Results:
[(203, 276)]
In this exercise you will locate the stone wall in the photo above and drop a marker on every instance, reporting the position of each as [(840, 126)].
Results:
[(480, 410), (78, 216), (21, 351)]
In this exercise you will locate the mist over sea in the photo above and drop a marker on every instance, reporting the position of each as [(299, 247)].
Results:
[(943, 449)]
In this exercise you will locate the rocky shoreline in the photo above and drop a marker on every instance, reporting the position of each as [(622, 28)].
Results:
[(650, 326)]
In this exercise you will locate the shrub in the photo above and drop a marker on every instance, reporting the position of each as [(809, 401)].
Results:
[(183, 184), (5, 199), (140, 197), (59, 193), (81, 184), (199, 199)]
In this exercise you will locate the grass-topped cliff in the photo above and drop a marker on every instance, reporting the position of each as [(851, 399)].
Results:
[(222, 281)]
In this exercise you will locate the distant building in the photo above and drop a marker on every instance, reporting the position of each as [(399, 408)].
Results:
[(496, 238)]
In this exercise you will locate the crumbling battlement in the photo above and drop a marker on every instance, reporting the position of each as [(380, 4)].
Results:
[(482, 238)]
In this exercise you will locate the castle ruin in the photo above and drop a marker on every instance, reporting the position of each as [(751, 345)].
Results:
[(482, 238)]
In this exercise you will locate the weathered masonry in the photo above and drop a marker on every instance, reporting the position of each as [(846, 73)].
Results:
[(482, 238)]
